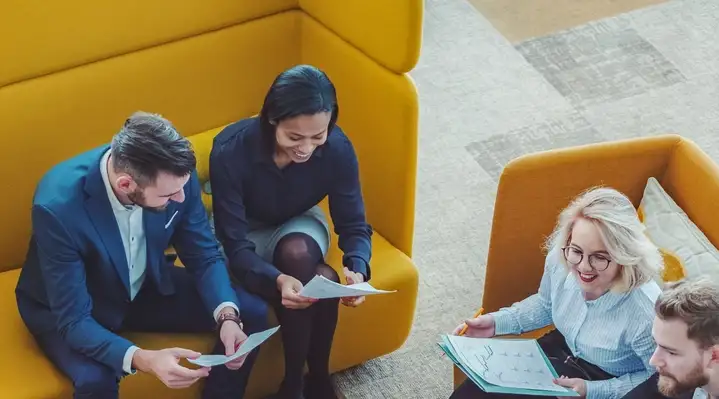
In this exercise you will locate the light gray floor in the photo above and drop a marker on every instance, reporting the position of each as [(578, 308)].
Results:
[(485, 101)]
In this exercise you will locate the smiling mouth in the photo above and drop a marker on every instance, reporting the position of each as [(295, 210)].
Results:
[(300, 154), (587, 278)]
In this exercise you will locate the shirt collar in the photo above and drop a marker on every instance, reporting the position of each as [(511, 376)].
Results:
[(114, 202), (610, 298)]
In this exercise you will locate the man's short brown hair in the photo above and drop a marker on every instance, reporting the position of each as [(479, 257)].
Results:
[(696, 303)]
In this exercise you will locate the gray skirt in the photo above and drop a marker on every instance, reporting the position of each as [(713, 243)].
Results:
[(312, 222)]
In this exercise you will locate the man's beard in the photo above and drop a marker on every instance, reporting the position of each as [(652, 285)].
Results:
[(670, 386), (138, 198)]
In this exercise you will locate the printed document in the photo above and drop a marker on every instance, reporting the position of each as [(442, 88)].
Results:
[(321, 288), (252, 342)]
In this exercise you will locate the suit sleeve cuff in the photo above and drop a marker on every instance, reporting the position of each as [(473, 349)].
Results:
[(127, 360), (223, 305), (358, 265)]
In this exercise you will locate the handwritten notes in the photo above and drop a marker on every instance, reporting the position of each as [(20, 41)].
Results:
[(513, 366)]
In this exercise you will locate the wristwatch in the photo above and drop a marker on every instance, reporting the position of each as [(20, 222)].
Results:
[(223, 317)]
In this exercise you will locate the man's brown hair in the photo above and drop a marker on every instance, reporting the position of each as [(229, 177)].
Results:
[(696, 303)]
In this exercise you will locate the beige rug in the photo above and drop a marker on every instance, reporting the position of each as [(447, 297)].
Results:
[(518, 20)]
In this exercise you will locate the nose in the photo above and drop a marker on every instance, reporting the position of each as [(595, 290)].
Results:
[(584, 265), (179, 197), (655, 359)]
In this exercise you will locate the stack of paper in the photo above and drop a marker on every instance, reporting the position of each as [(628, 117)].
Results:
[(247, 345), (321, 288), (512, 366)]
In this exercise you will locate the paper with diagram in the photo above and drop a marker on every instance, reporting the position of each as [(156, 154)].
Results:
[(505, 365), (321, 288), (252, 342)]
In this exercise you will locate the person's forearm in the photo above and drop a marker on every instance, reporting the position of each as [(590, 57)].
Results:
[(95, 341), (528, 315), (251, 269)]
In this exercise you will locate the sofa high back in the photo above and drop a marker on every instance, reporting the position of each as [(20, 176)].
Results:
[(73, 71)]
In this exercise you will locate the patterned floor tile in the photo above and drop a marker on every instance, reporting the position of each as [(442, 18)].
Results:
[(494, 153), (600, 62)]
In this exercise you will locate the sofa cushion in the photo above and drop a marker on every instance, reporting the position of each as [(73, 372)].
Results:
[(25, 371), (383, 330), (61, 35), (687, 251)]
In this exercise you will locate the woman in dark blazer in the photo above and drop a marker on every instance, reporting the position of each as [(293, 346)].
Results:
[(267, 175)]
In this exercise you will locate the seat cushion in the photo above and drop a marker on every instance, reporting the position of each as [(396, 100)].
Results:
[(382, 323), (26, 373)]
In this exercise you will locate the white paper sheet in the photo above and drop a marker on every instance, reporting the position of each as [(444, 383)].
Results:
[(253, 341), (515, 363), (321, 288)]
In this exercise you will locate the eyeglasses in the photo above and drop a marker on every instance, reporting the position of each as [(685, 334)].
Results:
[(596, 261)]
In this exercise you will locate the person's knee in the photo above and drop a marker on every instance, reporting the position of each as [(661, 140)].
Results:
[(98, 381), (328, 272), (297, 254)]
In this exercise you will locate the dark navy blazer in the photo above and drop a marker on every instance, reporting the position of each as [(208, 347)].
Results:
[(76, 280), (247, 185)]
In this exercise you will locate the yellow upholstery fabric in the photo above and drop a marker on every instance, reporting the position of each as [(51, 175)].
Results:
[(534, 188), (80, 68), (379, 113), (385, 39), (42, 37), (198, 83)]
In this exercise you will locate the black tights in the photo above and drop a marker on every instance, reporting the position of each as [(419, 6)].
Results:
[(306, 333)]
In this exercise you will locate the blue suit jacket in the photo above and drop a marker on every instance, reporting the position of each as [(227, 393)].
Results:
[(75, 280)]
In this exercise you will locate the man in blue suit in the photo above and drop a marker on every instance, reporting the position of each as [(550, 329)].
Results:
[(97, 267)]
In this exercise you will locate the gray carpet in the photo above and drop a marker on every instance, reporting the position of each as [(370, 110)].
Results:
[(485, 101)]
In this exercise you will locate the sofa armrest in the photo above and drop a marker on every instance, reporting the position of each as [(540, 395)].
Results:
[(534, 188), (692, 180), (390, 32)]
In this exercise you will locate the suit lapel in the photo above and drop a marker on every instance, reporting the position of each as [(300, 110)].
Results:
[(154, 223), (101, 215)]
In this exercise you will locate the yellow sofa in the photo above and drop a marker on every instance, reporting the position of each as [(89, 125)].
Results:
[(534, 188), (72, 71)]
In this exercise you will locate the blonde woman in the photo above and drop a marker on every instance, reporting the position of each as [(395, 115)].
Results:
[(598, 289)]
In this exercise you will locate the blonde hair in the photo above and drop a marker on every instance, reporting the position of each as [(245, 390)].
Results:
[(621, 232), (696, 303)]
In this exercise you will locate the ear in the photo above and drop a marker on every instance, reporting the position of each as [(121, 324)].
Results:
[(714, 353), (125, 183)]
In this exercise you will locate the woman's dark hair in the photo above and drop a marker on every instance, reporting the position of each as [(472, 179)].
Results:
[(300, 90)]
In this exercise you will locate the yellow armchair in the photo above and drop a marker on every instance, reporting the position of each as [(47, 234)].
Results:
[(76, 69), (534, 188)]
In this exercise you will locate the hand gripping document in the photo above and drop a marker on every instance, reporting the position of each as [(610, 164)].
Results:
[(322, 288), (512, 366), (252, 342)]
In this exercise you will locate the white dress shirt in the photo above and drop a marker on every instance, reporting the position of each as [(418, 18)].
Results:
[(132, 231), (700, 394)]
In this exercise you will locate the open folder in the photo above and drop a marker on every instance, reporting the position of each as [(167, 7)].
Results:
[(321, 288), (511, 366)]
